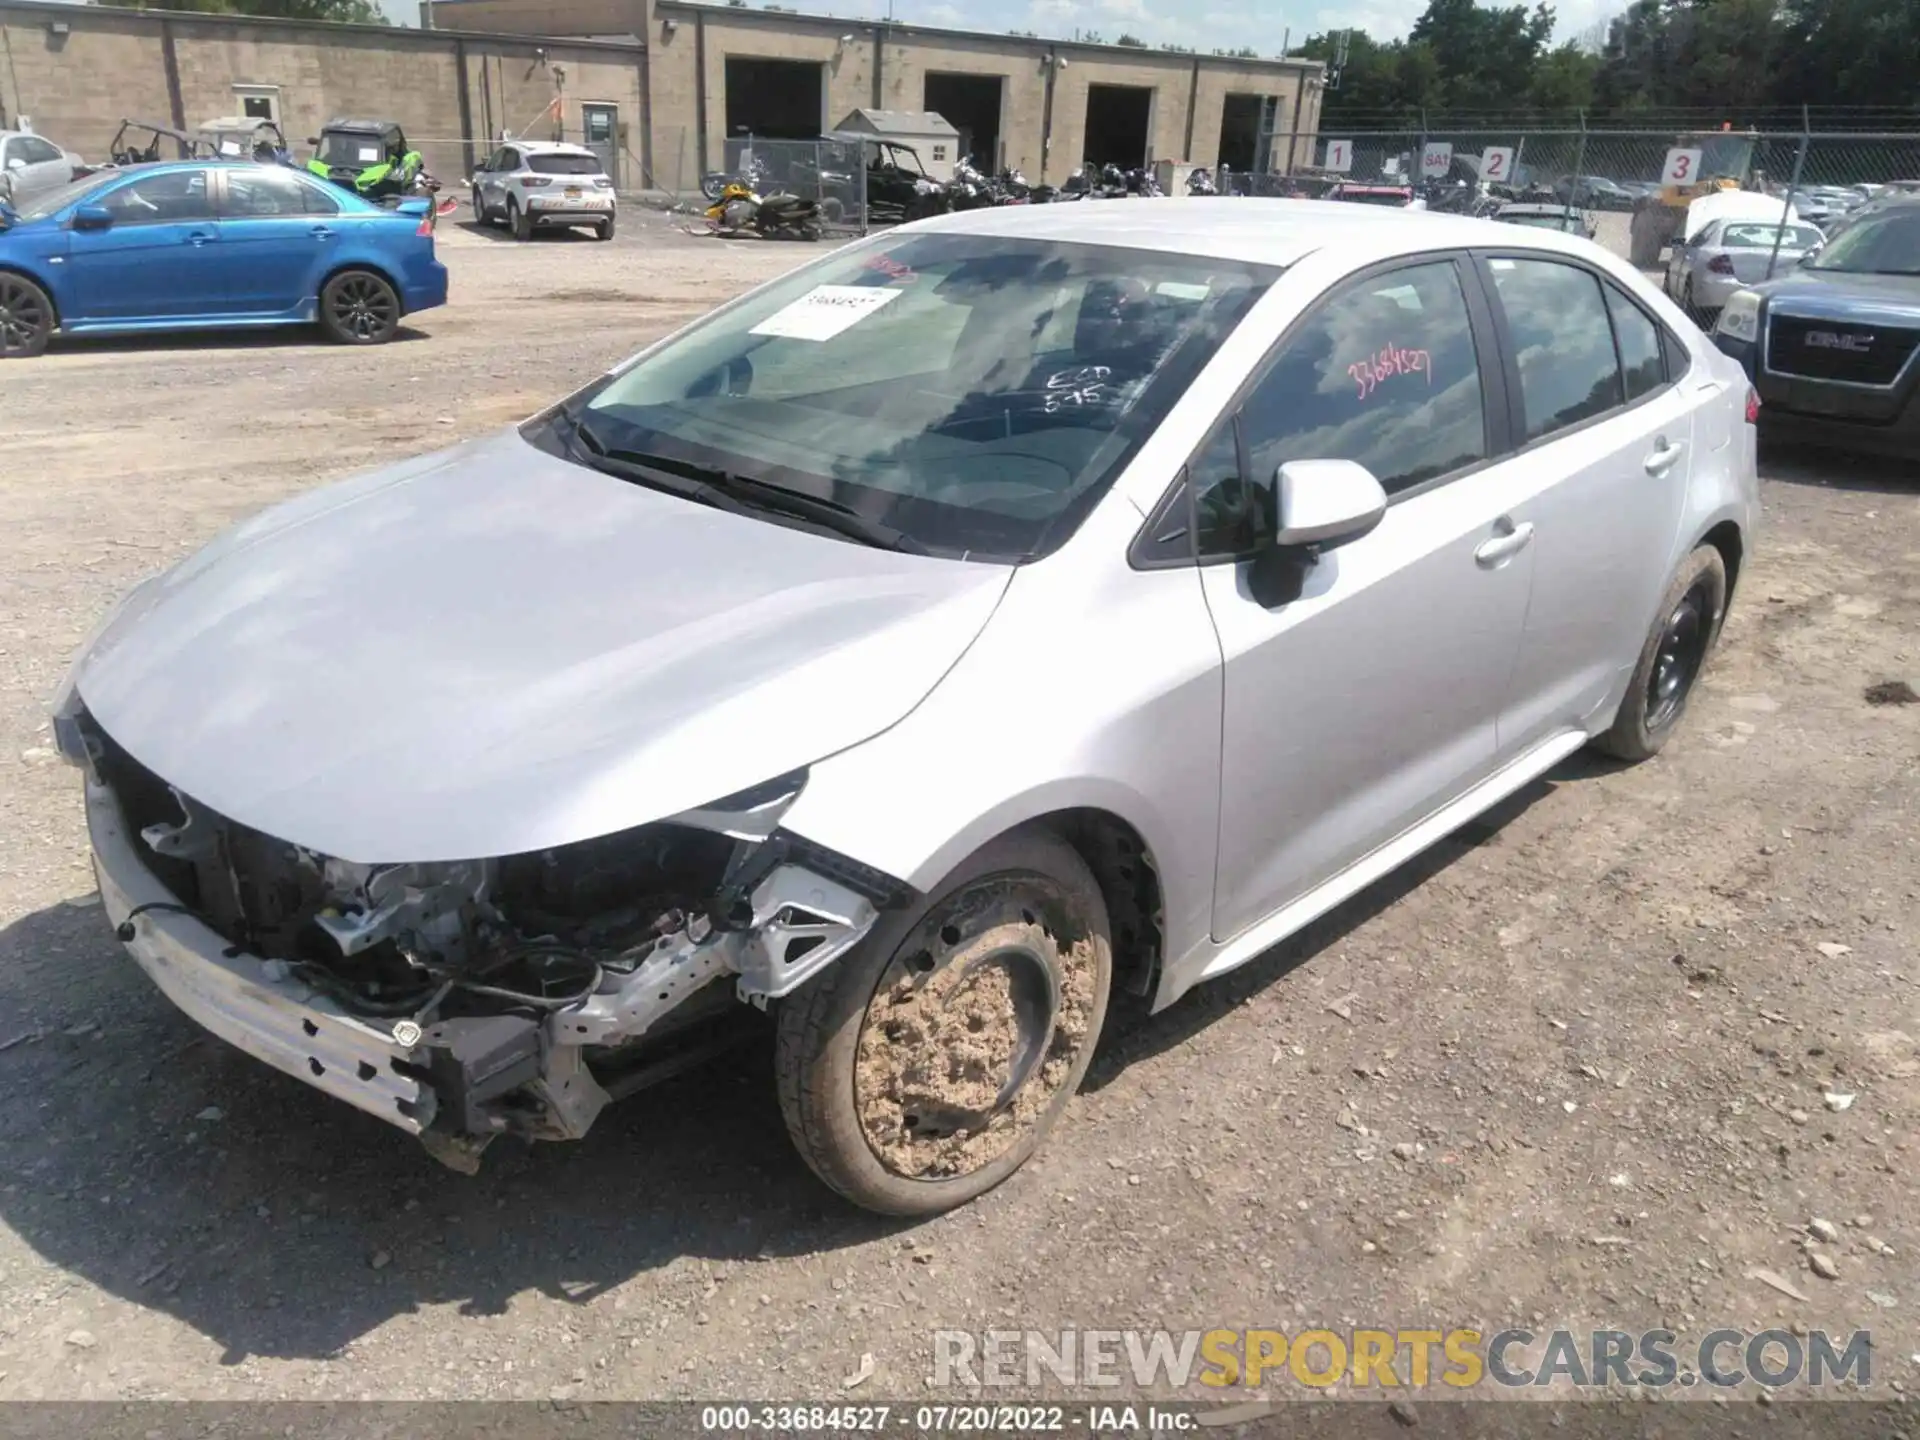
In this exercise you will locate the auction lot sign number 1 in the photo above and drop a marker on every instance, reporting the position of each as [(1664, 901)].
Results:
[(1339, 156)]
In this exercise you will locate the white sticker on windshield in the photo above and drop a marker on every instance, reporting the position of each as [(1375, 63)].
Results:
[(824, 311), (369, 154), (1181, 290)]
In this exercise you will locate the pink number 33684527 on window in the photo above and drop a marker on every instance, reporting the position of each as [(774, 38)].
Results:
[(1387, 363)]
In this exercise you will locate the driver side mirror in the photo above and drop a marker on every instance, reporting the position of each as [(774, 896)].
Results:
[(14, 162), (1325, 503), (93, 217), (314, 140)]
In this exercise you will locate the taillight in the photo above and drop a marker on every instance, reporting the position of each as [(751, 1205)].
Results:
[(425, 226), (1753, 406), (1721, 265), (534, 182)]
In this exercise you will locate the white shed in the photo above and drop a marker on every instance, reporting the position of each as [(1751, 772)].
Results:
[(932, 138)]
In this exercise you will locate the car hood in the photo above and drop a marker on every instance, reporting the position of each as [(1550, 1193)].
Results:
[(490, 651), (1839, 294)]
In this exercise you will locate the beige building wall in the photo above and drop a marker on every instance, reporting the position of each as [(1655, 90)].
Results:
[(77, 70), (76, 87)]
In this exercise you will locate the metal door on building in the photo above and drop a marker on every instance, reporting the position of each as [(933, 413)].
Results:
[(601, 124)]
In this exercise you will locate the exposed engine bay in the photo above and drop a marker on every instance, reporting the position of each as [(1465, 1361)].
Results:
[(528, 990)]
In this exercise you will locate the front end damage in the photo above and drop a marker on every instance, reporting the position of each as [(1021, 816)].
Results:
[(463, 1001)]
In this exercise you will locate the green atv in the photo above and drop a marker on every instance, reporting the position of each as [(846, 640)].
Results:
[(369, 157)]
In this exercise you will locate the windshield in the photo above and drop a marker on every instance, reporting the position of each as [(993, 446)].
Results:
[(58, 199), (340, 150), (1883, 244), (1763, 237), (973, 394), (564, 164)]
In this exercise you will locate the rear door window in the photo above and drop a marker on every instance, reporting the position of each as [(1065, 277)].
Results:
[(1642, 356), (1562, 342)]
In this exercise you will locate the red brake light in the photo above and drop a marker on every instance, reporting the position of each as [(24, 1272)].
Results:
[(533, 182), (1721, 265), (1753, 406), (425, 226)]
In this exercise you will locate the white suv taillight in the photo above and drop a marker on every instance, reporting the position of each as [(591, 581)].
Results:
[(1753, 406)]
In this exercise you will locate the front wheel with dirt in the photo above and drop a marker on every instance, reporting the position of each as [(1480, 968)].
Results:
[(1671, 660), (925, 1067)]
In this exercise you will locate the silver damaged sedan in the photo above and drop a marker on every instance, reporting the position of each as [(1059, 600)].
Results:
[(993, 619)]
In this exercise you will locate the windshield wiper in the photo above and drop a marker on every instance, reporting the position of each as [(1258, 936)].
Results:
[(738, 493)]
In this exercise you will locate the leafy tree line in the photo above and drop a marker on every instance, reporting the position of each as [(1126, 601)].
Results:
[(1738, 59)]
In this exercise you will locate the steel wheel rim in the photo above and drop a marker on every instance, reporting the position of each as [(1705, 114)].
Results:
[(971, 1036), (23, 315), (363, 307), (1681, 654)]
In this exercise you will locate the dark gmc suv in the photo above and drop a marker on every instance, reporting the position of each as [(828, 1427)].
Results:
[(1834, 345)]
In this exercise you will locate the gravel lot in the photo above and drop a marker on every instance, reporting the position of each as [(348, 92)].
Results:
[(1568, 1068)]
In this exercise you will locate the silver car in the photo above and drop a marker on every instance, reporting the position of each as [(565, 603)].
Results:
[(1730, 254), (31, 165), (1001, 615), (540, 185)]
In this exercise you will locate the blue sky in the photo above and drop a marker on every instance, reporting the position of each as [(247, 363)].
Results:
[(1203, 24)]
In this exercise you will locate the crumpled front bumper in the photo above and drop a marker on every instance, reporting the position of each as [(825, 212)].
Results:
[(239, 997)]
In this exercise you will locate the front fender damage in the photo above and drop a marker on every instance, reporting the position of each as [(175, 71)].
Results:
[(524, 993)]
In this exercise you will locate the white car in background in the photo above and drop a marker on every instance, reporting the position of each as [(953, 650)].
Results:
[(31, 165), (534, 184), (1704, 271)]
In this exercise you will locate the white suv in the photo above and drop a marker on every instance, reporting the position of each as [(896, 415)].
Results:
[(532, 183)]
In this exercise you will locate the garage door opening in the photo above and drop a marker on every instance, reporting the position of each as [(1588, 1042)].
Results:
[(971, 104), (1118, 118), (775, 99), (1240, 132)]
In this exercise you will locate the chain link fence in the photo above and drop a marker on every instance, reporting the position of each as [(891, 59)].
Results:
[(1623, 180)]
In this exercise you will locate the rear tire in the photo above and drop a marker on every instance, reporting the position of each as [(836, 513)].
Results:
[(358, 307), (926, 1066), (1672, 659), (604, 230), (518, 220), (26, 318)]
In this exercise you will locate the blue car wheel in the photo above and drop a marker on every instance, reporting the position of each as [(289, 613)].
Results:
[(26, 317), (358, 307)]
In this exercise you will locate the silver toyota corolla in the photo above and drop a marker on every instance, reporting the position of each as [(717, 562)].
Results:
[(1017, 609)]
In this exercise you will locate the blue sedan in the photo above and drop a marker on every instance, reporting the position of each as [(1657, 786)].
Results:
[(207, 244)]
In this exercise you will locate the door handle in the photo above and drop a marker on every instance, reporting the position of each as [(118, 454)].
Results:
[(1662, 460), (1504, 546), (198, 238), (321, 232)]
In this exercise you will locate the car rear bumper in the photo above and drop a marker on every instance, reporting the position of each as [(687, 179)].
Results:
[(250, 1003), (571, 215), (426, 286)]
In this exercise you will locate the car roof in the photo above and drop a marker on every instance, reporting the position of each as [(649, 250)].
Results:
[(1261, 231), (371, 127)]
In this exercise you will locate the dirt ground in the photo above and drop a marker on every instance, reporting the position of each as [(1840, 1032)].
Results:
[(1570, 1068)]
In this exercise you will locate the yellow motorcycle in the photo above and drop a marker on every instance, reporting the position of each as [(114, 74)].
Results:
[(738, 211)]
